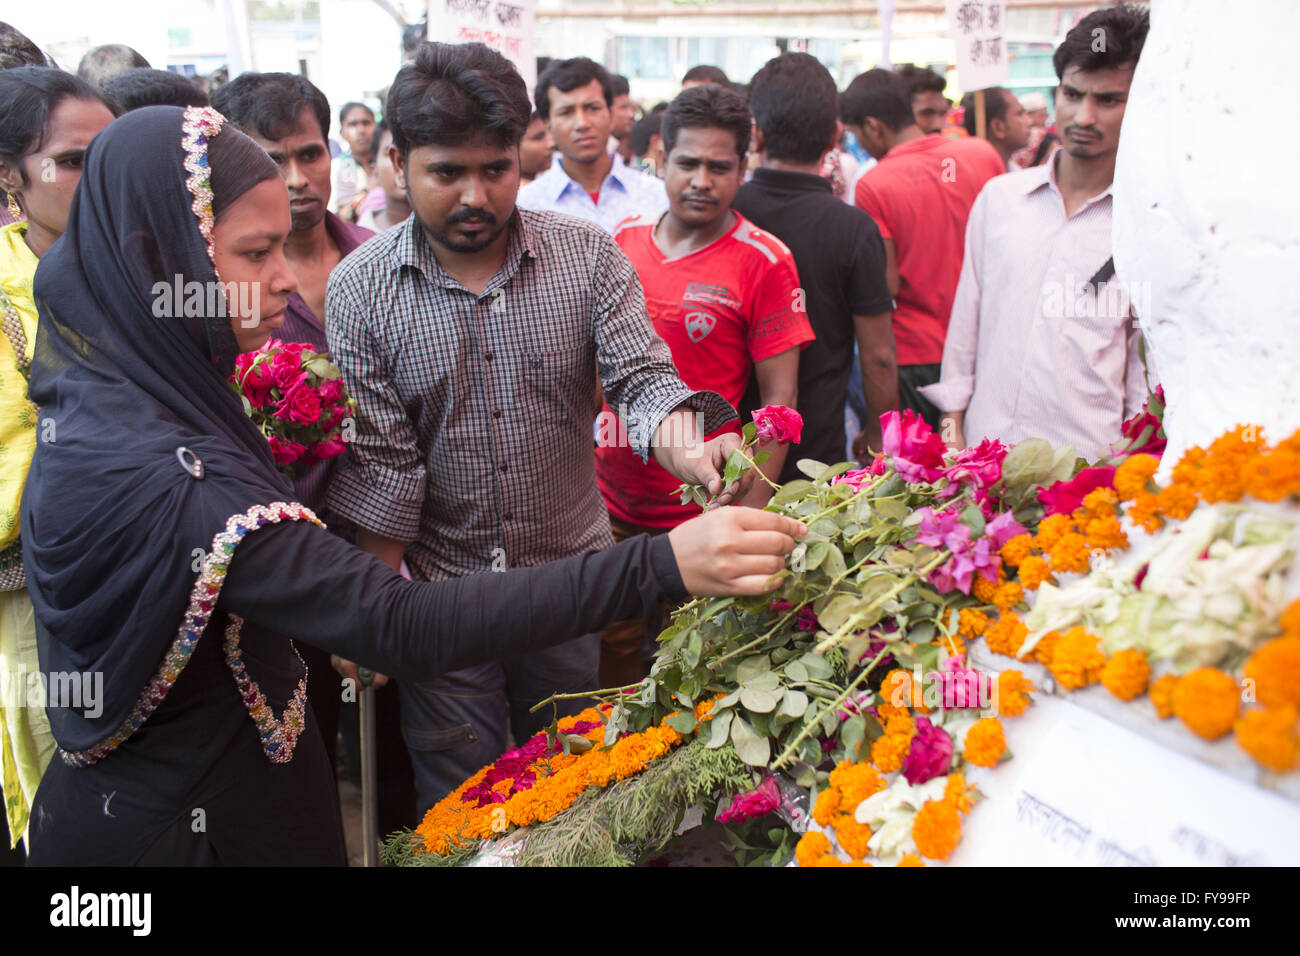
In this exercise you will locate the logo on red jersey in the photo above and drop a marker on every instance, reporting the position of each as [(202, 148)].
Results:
[(699, 324)]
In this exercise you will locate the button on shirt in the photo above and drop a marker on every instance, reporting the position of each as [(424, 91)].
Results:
[(625, 192), (473, 439), (1033, 349)]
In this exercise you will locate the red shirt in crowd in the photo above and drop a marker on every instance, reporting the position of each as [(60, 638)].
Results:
[(920, 196), (720, 309)]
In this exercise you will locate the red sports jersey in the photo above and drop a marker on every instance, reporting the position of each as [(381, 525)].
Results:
[(720, 309)]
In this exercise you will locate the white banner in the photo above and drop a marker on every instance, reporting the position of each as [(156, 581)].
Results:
[(506, 27), (978, 30)]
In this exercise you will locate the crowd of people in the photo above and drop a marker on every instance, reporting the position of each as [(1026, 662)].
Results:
[(550, 314)]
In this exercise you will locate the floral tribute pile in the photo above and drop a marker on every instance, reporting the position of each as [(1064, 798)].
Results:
[(852, 679), (296, 397)]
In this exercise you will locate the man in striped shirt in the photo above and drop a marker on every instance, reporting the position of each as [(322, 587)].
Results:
[(1040, 342)]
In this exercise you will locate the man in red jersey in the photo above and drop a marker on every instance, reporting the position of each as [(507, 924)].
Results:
[(919, 193), (725, 296)]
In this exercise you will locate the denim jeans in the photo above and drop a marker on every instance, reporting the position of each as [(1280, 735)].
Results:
[(456, 724)]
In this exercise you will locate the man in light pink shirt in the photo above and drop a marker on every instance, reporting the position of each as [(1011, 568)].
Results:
[(1040, 342)]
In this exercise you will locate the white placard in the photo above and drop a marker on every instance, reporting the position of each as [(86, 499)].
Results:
[(1083, 791), (506, 27), (978, 30)]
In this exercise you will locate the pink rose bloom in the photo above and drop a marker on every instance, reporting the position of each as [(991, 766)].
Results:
[(285, 371), (1144, 433), (859, 478), (301, 405), (980, 466), (1064, 496), (961, 686), (779, 424), (930, 755), (917, 452), (1002, 529), (945, 530), (758, 802), (331, 392), (257, 384), (284, 451)]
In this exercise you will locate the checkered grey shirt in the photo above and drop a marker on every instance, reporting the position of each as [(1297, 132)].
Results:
[(473, 438)]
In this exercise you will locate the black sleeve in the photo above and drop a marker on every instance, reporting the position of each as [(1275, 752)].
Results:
[(869, 285), (302, 581)]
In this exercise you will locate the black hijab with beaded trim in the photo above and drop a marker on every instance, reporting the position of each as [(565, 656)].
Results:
[(114, 525)]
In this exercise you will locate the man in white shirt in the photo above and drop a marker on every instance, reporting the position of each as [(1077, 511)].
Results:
[(1040, 342), (576, 97)]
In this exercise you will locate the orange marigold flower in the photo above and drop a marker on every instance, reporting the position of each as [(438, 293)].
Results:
[(1013, 693), (1206, 700), (1270, 736), (1008, 596), (1145, 513), (1290, 621), (898, 692), (937, 829), (1076, 660), (1176, 501), (1107, 534), (1275, 669), (828, 859), (1189, 467), (985, 743), (1162, 695), (1071, 553), (811, 847), (855, 782), (957, 793), (1133, 474), (971, 622), (1034, 571), (852, 836), (911, 859), (1017, 549), (900, 725), (1126, 674), (1051, 529), (954, 642), (889, 751), (1101, 502), (984, 589), (828, 805), (1006, 635), (1045, 648)]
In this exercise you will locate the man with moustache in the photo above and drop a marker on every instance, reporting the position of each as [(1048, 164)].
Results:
[(1038, 346)]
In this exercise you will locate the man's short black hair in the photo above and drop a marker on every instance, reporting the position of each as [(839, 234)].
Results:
[(1109, 38), (102, 63), (453, 93), (920, 79), (703, 73), (269, 104), (645, 129), (620, 85), (566, 75), (137, 88), (881, 95), (352, 105), (709, 105), (996, 103), (794, 102)]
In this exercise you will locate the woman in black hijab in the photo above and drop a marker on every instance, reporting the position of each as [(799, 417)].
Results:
[(191, 740)]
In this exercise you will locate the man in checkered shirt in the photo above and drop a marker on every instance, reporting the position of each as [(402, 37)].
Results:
[(471, 338)]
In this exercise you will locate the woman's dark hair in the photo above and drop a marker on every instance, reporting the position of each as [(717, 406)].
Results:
[(28, 95), (16, 50), (348, 107), (703, 73), (707, 106), (795, 104), (881, 95), (996, 101), (451, 94), (136, 88), (380, 128), (1109, 38), (269, 104), (566, 75)]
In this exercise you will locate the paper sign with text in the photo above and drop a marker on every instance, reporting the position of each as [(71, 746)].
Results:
[(506, 27), (978, 30)]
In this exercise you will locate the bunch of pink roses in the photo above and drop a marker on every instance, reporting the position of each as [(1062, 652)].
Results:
[(295, 395)]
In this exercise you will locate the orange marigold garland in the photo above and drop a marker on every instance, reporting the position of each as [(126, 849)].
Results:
[(1126, 674), (1206, 701), (1013, 693), (1162, 695), (1275, 670), (1076, 660)]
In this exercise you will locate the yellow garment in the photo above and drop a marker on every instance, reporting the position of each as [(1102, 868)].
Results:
[(26, 744), (17, 416)]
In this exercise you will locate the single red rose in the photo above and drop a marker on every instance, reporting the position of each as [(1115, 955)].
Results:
[(301, 405), (779, 424), (916, 450), (284, 451)]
